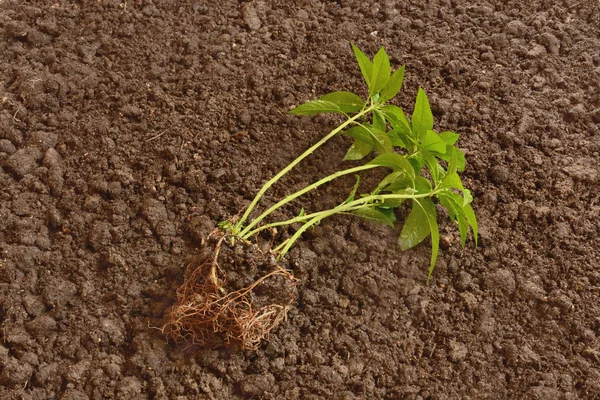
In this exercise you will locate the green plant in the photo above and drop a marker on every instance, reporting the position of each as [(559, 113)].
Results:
[(424, 167), (424, 164)]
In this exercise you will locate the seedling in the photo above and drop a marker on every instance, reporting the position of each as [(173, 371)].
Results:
[(423, 167)]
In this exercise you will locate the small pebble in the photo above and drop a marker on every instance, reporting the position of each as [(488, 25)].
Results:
[(446, 241)]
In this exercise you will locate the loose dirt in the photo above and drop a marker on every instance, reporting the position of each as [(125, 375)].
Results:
[(129, 129)]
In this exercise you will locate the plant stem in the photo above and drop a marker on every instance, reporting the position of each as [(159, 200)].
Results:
[(364, 202), (302, 218), (247, 232), (318, 216), (303, 228), (308, 152), (279, 246)]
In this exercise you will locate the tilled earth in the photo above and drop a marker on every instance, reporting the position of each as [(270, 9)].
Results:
[(129, 129)]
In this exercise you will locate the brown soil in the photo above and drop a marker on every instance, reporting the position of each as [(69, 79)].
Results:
[(128, 129)]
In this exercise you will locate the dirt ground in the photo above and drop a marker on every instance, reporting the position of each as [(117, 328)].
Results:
[(129, 129)]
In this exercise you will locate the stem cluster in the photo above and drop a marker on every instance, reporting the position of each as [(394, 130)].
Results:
[(424, 165)]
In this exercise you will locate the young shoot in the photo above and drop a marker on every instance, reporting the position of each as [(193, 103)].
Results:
[(423, 165)]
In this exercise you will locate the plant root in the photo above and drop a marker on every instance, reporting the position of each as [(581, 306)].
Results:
[(207, 314)]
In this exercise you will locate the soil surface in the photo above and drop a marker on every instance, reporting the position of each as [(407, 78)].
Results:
[(129, 129)]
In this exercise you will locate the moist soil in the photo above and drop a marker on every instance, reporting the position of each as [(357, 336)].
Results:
[(129, 129)]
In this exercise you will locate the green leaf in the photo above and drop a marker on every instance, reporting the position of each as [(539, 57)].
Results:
[(449, 137), (455, 158), (389, 204), (379, 121), (401, 134), (457, 198), (447, 201), (422, 185), (393, 86), (353, 192), (430, 213), (417, 161), (366, 66), (472, 221), (348, 102), (363, 143), (387, 209), (397, 138), (422, 118), (359, 132), (452, 180), (396, 117), (225, 225), (401, 185), (432, 142), (463, 207), (381, 72), (432, 165), (421, 222), (468, 197), (359, 150), (463, 229), (390, 178), (369, 135), (396, 162), (461, 162), (456, 213), (415, 229), (316, 107), (383, 143), (374, 214), (451, 158)]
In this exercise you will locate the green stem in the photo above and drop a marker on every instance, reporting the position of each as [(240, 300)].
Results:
[(303, 228), (308, 152), (302, 218), (280, 245), (318, 216), (343, 208), (247, 232)]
